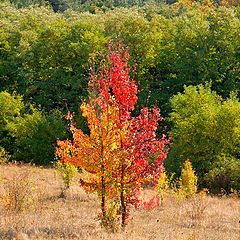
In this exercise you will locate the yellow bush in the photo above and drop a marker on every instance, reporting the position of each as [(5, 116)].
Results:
[(163, 184), (188, 180), (67, 172)]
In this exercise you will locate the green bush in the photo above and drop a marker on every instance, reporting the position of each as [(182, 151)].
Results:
[(35, 136), (11, 107), (67, 172), (204, 127), (29, 134)]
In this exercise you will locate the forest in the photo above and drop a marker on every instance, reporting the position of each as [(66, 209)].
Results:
[(185, 57)]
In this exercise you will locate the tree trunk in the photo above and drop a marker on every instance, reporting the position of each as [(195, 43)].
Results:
[(122, 199), (103, 197)]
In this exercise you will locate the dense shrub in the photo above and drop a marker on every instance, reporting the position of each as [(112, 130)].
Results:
[(29, 134), (224, 175), (35, 136), (204, 127)]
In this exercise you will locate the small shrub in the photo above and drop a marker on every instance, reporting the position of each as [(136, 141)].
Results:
[(67, 172), (234, 193), (4, 156), (196, 208), (153, 203), (19, 192), (163, 185), (110, 222), (188, 180)]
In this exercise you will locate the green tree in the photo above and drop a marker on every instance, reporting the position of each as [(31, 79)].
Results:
[(45, 55), (197, 47), (27, 3), (55, 65)]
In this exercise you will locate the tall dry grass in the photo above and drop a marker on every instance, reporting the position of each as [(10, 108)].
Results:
[(75, 216)]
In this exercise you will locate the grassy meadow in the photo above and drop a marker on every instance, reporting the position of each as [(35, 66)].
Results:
[(32, 206)]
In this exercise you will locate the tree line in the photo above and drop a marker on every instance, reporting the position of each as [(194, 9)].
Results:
[(46, 56)]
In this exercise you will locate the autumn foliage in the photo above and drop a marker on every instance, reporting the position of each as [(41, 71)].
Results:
[(122, 153)]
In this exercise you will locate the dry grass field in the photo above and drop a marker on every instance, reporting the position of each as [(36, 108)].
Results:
[(46, 215)]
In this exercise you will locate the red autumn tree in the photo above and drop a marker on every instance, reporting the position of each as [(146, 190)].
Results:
[(122, 153)]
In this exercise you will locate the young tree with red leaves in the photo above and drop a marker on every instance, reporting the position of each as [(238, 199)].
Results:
[(122, 153)]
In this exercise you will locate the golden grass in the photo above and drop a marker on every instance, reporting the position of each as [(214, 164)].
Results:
[(75, 217)]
